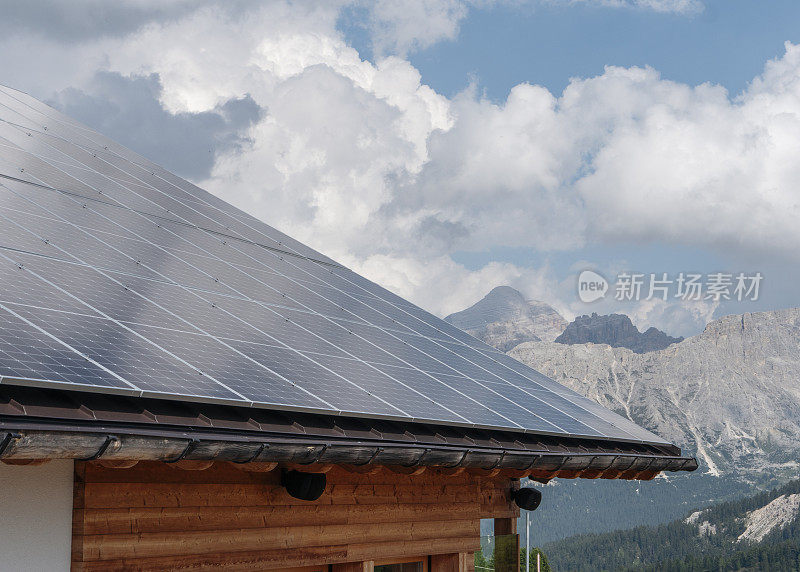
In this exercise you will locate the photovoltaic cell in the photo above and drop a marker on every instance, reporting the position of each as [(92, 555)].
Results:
[(404, 396), (18, 285), (28, 353), (101, 291), (121, 351), (307, 374), (120, 276), (462, 404)]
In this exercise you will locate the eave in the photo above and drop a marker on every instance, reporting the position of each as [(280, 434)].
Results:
[(43, 424)]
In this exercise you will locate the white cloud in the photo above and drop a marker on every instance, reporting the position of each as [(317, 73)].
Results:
[(676, 6), (455, 287), (366, 162), (398, 27), (686, 7)]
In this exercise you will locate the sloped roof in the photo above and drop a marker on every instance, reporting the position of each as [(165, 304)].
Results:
[(118, 277)]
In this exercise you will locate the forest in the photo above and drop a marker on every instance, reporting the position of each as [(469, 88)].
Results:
[(708, 542)]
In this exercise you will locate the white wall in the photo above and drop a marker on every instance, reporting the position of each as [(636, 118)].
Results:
[(36, 517)]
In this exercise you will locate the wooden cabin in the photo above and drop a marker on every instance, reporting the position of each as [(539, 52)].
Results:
[(183, 387)]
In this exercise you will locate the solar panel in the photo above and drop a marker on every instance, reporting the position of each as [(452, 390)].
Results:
[(118, 276)]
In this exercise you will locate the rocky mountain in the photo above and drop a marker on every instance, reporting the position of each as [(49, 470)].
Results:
[(616, 330), (504, 319), (731, 394)]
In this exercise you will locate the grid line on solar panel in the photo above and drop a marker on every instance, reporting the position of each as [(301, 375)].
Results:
[(120, 244), (561, 418), (556, 389), (251, 328), (462, 371), (43, 113), (372, 309), (14, 196), (401, 395), (431, 349), (596, 421), (23, 346), (67, 128), (221, 360), (231, 223), (10, 115), (544, 408), (105, 222), (156, 218), (411, 316), (104, 315), (501, 404), (340, 335), (460, 402), (206, 286), (29, 102), (13, 135), (344, 395), (101, 291), (33, 168), (176, 183), (309, 284), (222, 317), (120, 350), (363, 309), (19, 286), (54, 238), (196, 215), (77, 283), (73, 183), (105, 183)]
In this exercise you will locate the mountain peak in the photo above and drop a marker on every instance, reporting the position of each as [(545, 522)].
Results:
[(504, 318), (504, 293), (617, 331)]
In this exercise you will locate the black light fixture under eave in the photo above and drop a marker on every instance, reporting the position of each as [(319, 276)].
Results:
[(304, 486), (527, 498)]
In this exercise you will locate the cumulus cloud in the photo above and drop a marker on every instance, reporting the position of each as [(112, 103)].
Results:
[(128, 110), (364, 161), (79, 20), (625, 156), (400, 27)]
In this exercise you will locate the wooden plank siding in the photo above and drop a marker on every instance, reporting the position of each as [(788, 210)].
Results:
[(155, 516)]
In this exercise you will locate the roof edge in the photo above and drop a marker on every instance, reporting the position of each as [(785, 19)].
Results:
[(28, 443), (42, 424)]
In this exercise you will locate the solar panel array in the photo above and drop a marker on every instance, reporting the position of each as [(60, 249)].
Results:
[(118, 276)]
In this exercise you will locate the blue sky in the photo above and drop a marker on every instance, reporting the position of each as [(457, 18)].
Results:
[(727, 43), (444, 147), (499, 47)]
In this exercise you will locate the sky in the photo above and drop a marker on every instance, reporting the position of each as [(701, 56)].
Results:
[(444, 147)]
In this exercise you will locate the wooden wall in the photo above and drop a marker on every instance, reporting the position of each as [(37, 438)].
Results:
[(155, 516)]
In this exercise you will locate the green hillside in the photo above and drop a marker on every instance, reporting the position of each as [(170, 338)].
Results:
[(707, 541), (583, 506)]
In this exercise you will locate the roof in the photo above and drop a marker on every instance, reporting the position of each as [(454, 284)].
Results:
[(119, 278)]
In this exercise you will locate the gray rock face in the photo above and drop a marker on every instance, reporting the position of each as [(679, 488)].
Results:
[(616, 330), (730, 394), (504, 319)]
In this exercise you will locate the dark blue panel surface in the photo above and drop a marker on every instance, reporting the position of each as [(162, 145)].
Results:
[(117, 275)]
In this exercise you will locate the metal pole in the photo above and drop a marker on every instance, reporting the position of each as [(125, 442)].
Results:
[(527, 541), (538, 562)]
